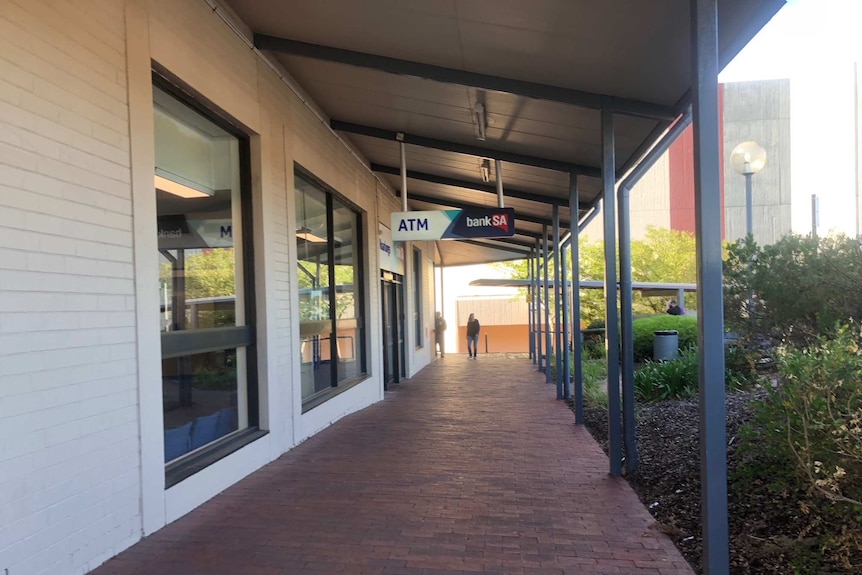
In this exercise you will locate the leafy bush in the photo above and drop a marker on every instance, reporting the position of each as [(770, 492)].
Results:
[(679, 378), (644, 329), (595, 375), (821, 401), (802, 286), (806, 437), (674, 379)]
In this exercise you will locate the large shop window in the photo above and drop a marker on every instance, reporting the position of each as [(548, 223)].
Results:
[(208, 386), (332, 334)]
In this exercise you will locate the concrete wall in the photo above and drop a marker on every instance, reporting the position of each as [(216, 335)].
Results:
[(81, 431), (664, 197), (758, 111)]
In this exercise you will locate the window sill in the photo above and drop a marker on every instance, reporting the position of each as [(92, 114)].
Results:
[(343, 386), (184, 468)]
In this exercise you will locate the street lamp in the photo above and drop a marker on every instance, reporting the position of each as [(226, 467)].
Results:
[(747, 159)]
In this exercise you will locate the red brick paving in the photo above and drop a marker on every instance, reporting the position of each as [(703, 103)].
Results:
[(470, 467)]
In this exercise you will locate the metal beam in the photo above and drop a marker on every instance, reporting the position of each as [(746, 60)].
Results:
[(707, 207), (528, 244), (468, 185), (412, 139), (464, 78), (514, 248), (468, 205)]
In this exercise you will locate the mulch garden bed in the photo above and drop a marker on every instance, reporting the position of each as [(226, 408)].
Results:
[(769, 531)]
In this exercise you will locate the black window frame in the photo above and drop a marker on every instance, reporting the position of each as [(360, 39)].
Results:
[(359, 282), (197, 341), (417, 298)]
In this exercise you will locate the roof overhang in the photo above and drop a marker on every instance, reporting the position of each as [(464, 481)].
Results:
[(538, 75)]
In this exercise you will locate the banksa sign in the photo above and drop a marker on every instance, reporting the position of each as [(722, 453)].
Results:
[(453, 224)]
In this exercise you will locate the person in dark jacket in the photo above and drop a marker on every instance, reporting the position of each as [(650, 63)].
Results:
[(673, 308), (473, 328)]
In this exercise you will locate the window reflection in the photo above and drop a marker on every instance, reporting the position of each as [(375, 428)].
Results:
[(328, 247), (200, 399), (199, 219)]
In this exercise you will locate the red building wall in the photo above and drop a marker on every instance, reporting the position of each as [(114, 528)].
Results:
[(681, 172)]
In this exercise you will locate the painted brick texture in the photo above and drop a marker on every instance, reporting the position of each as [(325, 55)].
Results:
[(69, 463)]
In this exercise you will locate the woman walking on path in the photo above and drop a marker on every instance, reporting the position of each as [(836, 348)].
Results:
[(472, 336)]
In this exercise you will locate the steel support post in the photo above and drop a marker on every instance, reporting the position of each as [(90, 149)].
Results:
[(539, 303), (577, 348), (530, 302), (548, 350), (749, 219), (627, 347), (612, 342), (707, 199), (558, 312), (564, 349), (403, 149)]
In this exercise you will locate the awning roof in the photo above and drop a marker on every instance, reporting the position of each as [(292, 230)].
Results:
[(542, 69)]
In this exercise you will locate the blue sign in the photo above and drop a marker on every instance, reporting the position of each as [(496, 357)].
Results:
[(453, 224)]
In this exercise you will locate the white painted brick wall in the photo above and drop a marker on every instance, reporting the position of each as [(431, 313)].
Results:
[(69, 459)]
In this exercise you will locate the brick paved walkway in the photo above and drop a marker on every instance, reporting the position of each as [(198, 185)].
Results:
[(470, 467)]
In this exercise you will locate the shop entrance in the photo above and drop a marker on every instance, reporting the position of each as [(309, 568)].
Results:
[(392, 299)]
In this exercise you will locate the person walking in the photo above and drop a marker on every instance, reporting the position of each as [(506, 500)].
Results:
[(440, 333), (473, 328)]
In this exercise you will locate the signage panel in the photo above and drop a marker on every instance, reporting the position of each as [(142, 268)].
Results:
[(453, 224), (391, 254)]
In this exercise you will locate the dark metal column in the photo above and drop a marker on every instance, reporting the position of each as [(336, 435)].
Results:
[(707, 200), (611, 315), (577, 348), (547, 309), (539, 301), (626, 319), (564, 349), (531, 343), (627, 332), (558, 312)]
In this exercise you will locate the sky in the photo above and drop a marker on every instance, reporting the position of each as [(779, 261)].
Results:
[(814, 43)]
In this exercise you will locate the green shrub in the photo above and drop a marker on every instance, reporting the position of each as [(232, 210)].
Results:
[(644, 329), (595, 377), (804, 442), (679, 378), (675, 379), (820, 400)]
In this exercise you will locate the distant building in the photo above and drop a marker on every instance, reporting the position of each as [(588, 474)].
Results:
[(664, 197)]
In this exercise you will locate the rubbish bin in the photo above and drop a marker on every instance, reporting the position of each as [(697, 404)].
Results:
[(665, 345)]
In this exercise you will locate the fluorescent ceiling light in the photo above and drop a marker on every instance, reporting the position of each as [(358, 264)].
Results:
[(481, 121), (179, 186), (486, 170)]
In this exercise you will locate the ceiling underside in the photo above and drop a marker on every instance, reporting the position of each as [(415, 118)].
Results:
[(542, 71)]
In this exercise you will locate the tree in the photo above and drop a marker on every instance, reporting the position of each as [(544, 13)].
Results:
[(662, 256)]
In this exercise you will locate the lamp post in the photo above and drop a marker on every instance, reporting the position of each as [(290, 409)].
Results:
[(747, 159)]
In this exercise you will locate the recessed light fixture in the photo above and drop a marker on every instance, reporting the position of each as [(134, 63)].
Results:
[(481, 121), (179, 186), (485, 168)]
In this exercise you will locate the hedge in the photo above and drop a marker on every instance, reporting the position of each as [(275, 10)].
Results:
[(644, 329)]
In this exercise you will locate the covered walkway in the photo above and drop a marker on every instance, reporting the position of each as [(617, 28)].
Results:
[(470, 467)]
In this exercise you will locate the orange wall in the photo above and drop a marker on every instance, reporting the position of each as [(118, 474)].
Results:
[(501, 338)]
